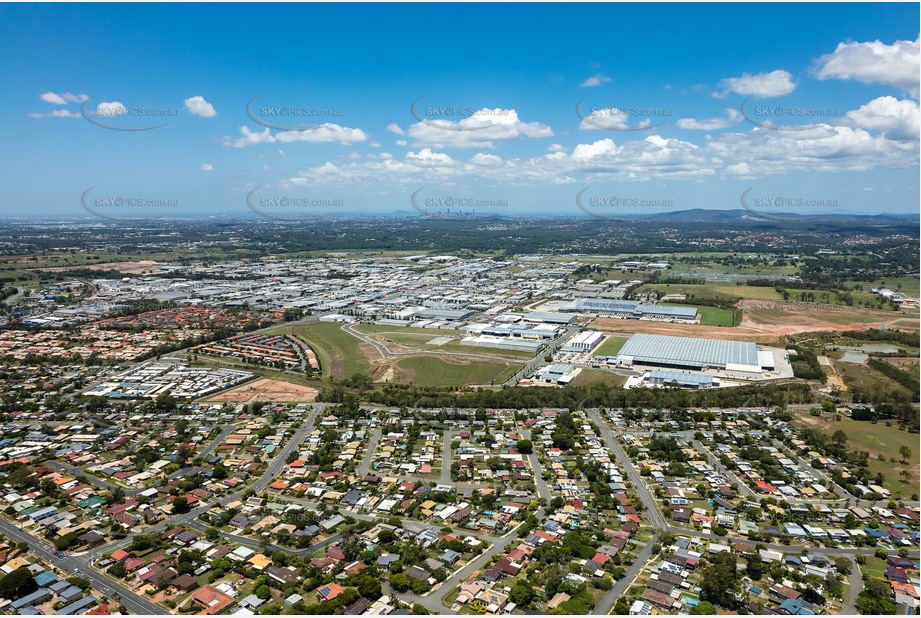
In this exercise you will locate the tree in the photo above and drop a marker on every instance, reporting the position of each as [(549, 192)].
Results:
[(525, 447), (180, 505), (839, 438), (263, 592), (754, 568), (369, 587), (720, 581), (843, 566), (905, 452), (17, 584), (521, 594), (291, 314), (399, 582)]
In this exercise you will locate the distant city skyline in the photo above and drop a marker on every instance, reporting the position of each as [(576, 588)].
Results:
[(137, 111)]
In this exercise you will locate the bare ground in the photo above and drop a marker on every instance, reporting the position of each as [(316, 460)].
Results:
[(767, 325), (266, 389)]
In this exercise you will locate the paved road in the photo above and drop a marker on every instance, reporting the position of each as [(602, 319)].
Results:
[(841, 491), (80, 566), (365, 466), (856, 587), (445, 477), (731, 476), (92, 478), (270, 547), (543, 490), (649, 502), (228, 429), (280, 460), (538, 360), (620, 586)]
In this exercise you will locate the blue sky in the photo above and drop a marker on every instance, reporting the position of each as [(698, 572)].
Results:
[(831, 121)]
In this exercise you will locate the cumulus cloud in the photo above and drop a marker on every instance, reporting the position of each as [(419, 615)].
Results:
[(58, 113), (110, 109), (325, 133), (732, 118), (595, 80), (207, 167), (897, 65), (63, 98), (197, 106), (480, 130), (761, 85), (823, 148), (611, 119), (395, 128), (741, 154), (894, 118)]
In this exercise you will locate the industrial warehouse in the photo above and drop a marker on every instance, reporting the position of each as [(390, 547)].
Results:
[(740, 360), (631, 309)]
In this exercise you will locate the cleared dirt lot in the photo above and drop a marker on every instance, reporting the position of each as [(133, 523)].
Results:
[(766, 323), (140, 267), (265, 389)]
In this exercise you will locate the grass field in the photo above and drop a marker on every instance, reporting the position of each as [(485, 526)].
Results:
[(611, 346), (340, 354), (596, 376), (909, 285), (418, 338), (876, 438), (434, 371), (711, 290), (715, 316), (863, 378)]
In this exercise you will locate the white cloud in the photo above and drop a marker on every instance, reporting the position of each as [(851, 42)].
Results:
[(762, 85), (207, 167), (610, 119), (595, 80), (898, 64), (197, 106), (732, 118), (743, 154), (395, 128), (480, 130), (58, 113), (556, 148), (322, 134), (823, 148), (110, 109), (894, 118), (375, 144), (62, 99), (401, 142)]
